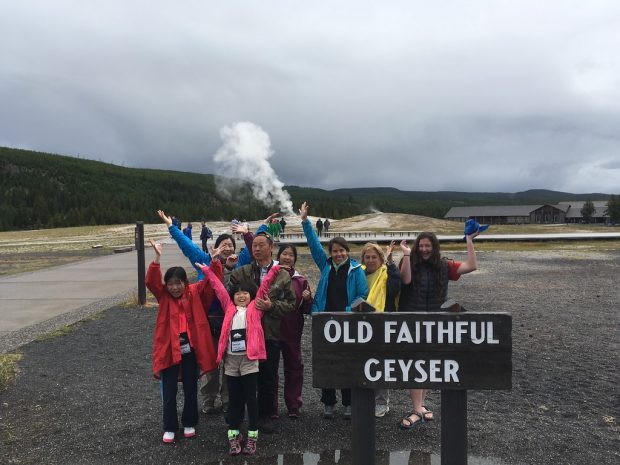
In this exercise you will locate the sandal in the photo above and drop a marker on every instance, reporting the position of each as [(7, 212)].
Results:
[(428, 415), (409, 421)]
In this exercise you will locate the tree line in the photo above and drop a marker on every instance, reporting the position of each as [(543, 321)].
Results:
[(42, 190)]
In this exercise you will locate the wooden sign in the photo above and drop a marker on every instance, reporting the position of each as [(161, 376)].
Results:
[(432, 350)]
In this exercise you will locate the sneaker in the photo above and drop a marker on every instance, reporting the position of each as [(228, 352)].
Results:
[(347, 412), (250, 446), (328, 412), (274, 416), (293, 413), (234, 444), (168, 437), (189, 432), (381, 410)]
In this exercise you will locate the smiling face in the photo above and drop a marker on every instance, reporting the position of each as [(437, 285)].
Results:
[(175, 287), (339, 254), (287, 257), (425, 248), (372, 260), (242, 298), (227, 248)]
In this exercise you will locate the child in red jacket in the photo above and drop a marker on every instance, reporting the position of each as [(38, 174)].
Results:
[(182, 344), (241, 346)]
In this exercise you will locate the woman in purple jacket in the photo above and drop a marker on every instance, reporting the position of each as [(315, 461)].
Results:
[(291, 328)]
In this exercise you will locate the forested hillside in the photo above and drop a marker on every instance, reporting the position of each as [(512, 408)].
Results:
[(43, 190), (40, 190)]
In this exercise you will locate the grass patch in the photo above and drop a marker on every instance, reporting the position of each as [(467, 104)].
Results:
[(8, 369), (67, 329), (133, 301)]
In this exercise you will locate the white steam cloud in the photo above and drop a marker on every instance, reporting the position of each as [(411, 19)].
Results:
[(244, 155)]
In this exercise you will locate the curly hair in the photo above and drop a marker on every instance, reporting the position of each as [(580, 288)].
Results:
[(433, 262)]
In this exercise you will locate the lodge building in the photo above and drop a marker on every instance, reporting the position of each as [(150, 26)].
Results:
[(563, 212)]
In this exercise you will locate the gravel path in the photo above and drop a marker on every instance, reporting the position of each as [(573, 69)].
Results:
[(88, 397)]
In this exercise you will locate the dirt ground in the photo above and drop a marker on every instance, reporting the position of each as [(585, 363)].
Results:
[(88, 397)]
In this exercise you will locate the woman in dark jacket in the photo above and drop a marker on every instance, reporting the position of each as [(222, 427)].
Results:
[(425, 276)]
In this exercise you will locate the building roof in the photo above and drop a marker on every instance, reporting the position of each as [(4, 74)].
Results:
[(495, 210), (574, 208)]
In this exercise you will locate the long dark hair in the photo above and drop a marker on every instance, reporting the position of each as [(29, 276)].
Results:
[(434, 261)]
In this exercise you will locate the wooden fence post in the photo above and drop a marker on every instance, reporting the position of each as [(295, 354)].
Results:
[(363, 426), (139, 236), (454, 427)]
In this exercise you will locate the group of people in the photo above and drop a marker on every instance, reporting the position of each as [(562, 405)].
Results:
[(247, 310), (322, 225), (276, 227)]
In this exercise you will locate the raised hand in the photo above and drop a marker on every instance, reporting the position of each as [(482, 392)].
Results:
[(303, 211), (165, 219), (157, 247), (389, 250), (241, 228), (271, 217), (471, 236), (216, 251), (202, 266), (404, 247)]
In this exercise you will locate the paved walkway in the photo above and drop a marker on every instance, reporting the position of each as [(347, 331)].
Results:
[(37, 302), (361, 237), (32, 304)]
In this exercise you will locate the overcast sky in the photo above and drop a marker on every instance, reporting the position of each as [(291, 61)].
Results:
[(445, 95)]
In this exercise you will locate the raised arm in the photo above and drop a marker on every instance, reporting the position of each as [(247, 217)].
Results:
[(316, 249), (470, 264), (193, 253), (216, 282), (153, 274), (263, 290), (393, 279), (405, 266)]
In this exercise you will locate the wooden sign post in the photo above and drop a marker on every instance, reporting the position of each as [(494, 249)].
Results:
[(427, 350), (139, 239)]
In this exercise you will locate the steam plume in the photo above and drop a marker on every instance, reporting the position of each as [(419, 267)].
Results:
[(244, 155)]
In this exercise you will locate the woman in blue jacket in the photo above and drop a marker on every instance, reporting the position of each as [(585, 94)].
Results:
[(342, 282)]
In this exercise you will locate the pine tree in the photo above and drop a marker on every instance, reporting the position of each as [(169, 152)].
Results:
[(587, 211)]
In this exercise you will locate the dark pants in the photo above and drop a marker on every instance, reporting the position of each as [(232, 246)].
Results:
[(205, 249), (293, 375), (328, 396), (242, 394), (267, 376), (169, 385), (212, 386)]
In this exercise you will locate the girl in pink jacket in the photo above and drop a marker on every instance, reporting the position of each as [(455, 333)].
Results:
[(241, 346)]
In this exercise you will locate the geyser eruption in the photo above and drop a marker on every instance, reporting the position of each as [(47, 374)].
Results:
[(244, 155)]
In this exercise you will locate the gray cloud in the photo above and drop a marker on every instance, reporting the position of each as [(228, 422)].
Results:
[(415, 95)]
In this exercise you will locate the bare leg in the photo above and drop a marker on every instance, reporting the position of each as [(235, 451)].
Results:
[(418, 397)]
